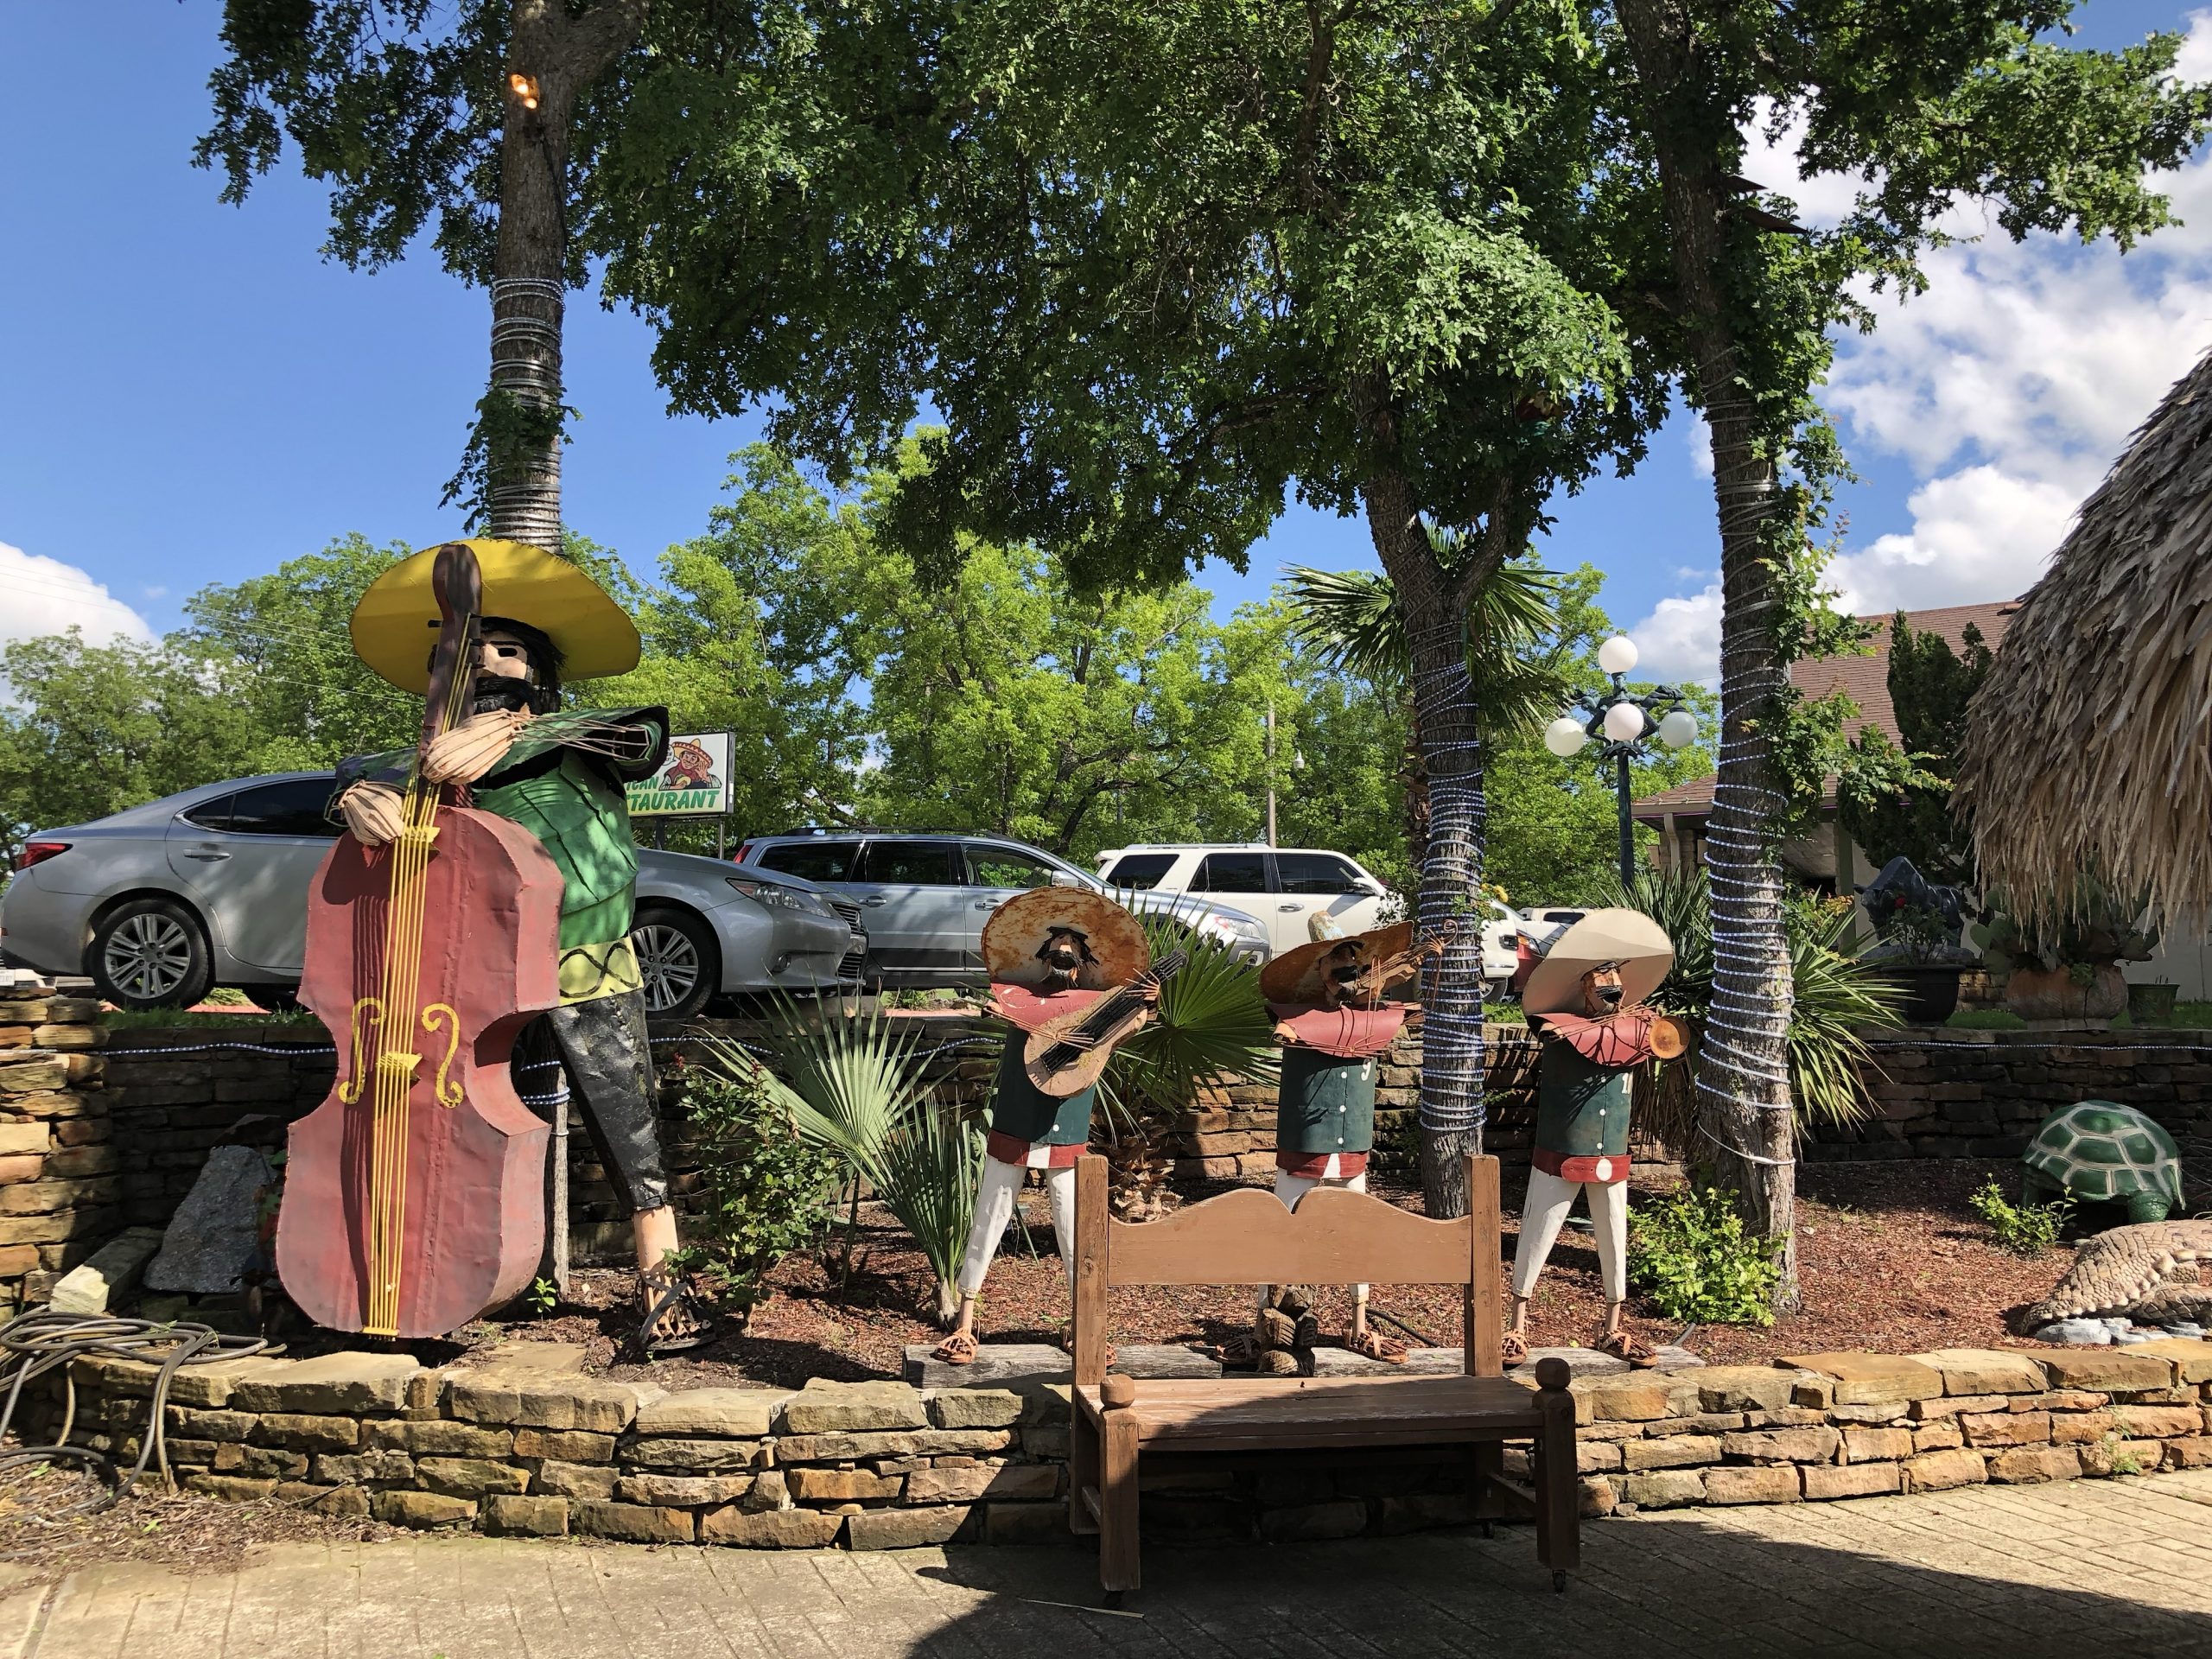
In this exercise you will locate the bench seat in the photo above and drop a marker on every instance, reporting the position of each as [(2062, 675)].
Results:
[(1284, 1413)]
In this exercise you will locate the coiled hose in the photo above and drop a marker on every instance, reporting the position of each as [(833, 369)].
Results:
[(33, 1343)]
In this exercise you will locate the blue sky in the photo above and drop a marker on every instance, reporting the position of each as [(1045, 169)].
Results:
[(189, 393)]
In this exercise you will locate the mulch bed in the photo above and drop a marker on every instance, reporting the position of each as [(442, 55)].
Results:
[(1890, 1257)]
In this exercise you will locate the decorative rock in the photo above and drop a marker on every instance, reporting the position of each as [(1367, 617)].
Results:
[(851, 1448), (2192, 1359), (1760, 1485), (1865, 1379), (694, 1457), (853, 1408), (2093, 1333), (2033, 1464), (2080, 1428), (634, 1523), (1984, 1371), (230, 1489), (1741, 1388), (2132, 1337), (564, 1444), (1622, 1399), (435, 1437), (975, 1408), (2114, 1372), (349, 1468), (1874, 1445), (682, 1490), (349, 1503), (575, 1480), (2005, 1427), (329, 1384), (530, 1400), (772, 1530), (841, 1485), (1000, 1364), (2157, 1423), (310, 1433), (545, 1358), (1673, 1451), (1938, 1472), (470, 1477), (1851, 1480), (741, 1413), (536, 1517), (1783, 1446), (1018, 1482), (423, 1510), (215, 1234), (908, 1528), (100, 1283), (1665, 1489), (769, 1491)]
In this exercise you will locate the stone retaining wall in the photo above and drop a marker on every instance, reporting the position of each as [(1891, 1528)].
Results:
[(58, 1183), (1944, 1093), (520, 1444)]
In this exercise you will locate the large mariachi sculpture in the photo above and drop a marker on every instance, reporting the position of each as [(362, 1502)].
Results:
[(1585, 999), (1327, 998), (489, 881), (1073, 973)]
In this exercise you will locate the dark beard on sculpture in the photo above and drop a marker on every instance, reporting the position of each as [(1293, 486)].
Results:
[(495, 693), (1059, 978)]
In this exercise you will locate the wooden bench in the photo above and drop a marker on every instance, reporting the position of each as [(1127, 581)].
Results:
[(1334, 1237)]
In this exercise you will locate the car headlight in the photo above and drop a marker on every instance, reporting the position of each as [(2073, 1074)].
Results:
[(1231, 930), (773, 895)]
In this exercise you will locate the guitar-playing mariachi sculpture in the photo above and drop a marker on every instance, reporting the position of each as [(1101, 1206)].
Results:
[(413, 1195), (1066, 1055)]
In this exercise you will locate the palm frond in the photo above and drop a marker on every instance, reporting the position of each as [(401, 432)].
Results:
[(926, 1171), (1350, 620), (1211, 1027)]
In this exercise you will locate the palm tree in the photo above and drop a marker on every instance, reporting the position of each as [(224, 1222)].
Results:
[(1357, 623)]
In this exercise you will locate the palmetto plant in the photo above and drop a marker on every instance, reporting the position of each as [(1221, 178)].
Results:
[(1836, 997), (856, 1085), (1211, 1027)]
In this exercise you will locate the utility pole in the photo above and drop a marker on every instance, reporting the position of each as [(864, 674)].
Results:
[(1271, 772)]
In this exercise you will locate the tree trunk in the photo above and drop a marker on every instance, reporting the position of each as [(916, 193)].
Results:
[(1743, 1072), (1444, 702), (520, 423)]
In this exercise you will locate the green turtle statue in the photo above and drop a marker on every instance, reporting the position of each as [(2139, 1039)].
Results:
[(2101, 1152)]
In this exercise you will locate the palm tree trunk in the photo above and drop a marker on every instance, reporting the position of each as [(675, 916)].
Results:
[(1743, 1071), (1444, 702), (520, 423)]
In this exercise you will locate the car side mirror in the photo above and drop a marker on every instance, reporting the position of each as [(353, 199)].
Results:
[(1063, 879), (1371, 887)]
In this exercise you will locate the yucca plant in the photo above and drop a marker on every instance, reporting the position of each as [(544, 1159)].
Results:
[(1837, 995), (855, 1084)]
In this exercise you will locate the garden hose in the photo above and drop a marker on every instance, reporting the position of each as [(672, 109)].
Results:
[(34, 1343)]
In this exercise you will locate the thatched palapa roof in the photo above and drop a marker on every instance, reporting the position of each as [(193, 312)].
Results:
[(2090, 744)]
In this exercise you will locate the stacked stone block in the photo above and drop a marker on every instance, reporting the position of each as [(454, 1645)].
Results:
[(59, 1188)]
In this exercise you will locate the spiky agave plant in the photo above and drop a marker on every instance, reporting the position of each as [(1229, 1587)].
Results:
[(856, 1085)]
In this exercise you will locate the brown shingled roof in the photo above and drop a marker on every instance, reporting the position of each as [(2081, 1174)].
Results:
[(1864, 680)]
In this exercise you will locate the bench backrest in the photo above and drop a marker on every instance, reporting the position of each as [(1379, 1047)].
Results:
[(1335, 1236)]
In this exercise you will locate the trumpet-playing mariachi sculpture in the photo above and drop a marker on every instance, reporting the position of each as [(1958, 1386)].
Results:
[(1585, 998), (487, 882), (1073, 973)]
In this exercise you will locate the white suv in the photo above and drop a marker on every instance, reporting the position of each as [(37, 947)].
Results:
[(1284, 886)]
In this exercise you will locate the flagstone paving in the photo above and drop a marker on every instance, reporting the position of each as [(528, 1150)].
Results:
[(2086, 1567)]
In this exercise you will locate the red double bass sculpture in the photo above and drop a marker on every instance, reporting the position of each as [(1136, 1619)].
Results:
[(414, 1195)]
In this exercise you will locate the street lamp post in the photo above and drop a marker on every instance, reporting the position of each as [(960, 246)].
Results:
[(1622, 723)]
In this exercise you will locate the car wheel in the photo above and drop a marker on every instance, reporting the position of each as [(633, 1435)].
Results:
[(275, 998), (151, 953), (678, 960)]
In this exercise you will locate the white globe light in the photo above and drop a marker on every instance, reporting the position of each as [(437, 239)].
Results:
[(1624, 722), (1679, 729), (1617, 654), (1565, 736)]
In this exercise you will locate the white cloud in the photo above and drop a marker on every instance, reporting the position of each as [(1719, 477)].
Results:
[(1700, 439), (40, 595), (2008, 388)]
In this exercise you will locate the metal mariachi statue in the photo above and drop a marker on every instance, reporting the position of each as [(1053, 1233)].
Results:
[(1584, 1000), (1073, 973), (1326, 1000), (373, 1188)]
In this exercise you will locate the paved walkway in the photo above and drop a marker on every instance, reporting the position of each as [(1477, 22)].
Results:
[(2089, 1567)]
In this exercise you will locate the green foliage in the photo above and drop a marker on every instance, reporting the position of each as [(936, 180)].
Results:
[(1692, 1254), (2090, 925), (1210, 1026), (2023, 1228), (542, 1297), (765, 1190), (1897, 799)]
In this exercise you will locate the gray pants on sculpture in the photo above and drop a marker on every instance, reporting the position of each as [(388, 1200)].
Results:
[(994, 1209), (1542, 1216)]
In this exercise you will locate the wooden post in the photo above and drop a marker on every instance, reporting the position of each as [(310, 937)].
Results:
[(1120, 1559), (1092, 1219), (1484, 1320), (1558, 1543)]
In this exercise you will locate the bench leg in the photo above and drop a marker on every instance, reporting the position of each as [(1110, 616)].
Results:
[(1559, 1523), (1118, 1567), (1083, 1470), (1486, 1464)]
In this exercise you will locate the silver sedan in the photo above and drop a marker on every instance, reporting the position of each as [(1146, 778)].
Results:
[(162, 902)]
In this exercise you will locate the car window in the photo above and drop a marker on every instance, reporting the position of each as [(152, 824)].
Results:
[(296, 807), (1231, 873), (914, 864), (210, 815), (1315, 872), (1138, 871), (810, 861), (1002, 866)]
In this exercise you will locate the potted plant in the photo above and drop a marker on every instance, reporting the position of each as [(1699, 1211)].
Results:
[(2060, 959), (1919, 926)]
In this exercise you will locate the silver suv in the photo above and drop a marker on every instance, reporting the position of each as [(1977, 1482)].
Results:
[(162, 902), (924, 896)]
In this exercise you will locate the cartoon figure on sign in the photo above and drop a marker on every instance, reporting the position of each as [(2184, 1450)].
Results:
[(690, 766)]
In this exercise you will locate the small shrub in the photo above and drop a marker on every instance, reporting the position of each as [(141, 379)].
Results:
[(766, 1191), (1691, 1253), (2023, 1228)]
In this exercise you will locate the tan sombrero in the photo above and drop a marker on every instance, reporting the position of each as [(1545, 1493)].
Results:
[(1019, 928), (1629, 937), (1294, 977), (396, 623)]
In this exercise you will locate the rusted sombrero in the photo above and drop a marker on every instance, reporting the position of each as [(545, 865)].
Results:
[(1019, 928), (1294, 977), (1629, 937)]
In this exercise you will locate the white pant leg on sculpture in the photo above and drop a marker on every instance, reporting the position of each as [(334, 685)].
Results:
[(1608, 1202), (994, 1209), (1290, 1188), (1059, 1194), (1542, 1216)]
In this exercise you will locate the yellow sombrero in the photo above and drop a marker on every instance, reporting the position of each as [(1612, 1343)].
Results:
[(1294, 977), (396, 623)]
